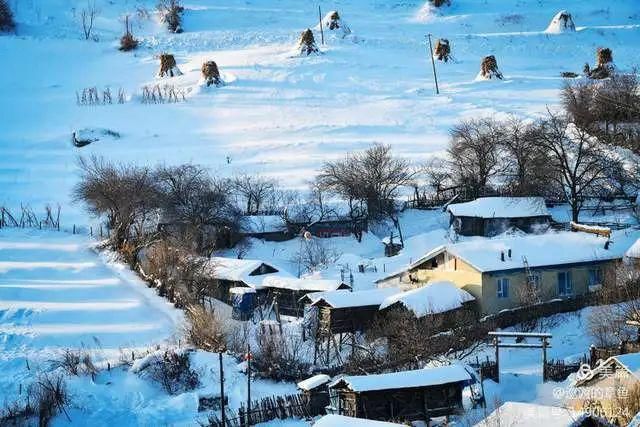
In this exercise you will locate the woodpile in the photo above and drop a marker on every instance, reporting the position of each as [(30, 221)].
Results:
[(562, 22), (604, 65), (442, 50), (168, 66), (307, 43), (211, 74), (489, 68)]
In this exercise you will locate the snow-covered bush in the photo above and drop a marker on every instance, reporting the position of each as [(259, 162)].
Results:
[(442, 51), (334, 23), (49, 396), (76, 362), (171, 14), (6, 17), (281, 358), (172, 370)]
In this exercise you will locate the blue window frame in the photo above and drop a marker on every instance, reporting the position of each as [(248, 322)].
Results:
[(503, 288)]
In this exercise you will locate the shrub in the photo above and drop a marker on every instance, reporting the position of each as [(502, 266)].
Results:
[(76, 362), (128, 42), (279, 358), (6, 17), (172, 370), (204, 329), (49, 396)]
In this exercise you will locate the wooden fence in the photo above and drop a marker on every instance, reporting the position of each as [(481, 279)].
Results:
[(559, 370), (268, 409)]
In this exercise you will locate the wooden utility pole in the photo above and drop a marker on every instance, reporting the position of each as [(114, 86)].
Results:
[(321, 30), (224, 418), (433, 64), (248, 385)]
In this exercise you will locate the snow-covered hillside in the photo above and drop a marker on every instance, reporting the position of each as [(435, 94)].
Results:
[(278, 115)]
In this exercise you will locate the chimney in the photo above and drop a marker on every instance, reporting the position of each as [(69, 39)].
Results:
[(502, 256)]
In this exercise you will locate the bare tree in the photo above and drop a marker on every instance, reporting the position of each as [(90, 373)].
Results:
[(88, 16), (474, 154), (524, 163), (126, 195), (372, 177), (577, 161), (199, 207), (255, 190)]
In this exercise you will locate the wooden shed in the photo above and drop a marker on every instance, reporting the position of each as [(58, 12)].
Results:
[(227, 273), (407, 396), (316, 392), (289, 292), (490, 216)]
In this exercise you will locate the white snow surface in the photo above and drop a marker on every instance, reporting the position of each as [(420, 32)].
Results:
[(436, 297), (313, 382), (405, 379), (309, 284), (501, 207), (342, 421), (530, 415), (346, 299), (240, 270)]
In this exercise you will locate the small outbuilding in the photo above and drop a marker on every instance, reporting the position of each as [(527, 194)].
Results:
[(290, 291), (227, 273), (316, 391), (490, 216), (416, 395)]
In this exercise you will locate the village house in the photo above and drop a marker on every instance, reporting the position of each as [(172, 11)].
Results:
[(559, 265), (289, 291), (490, 216), (604, 389), (415, 395)]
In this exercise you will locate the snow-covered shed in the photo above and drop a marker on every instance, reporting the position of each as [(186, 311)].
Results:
[(561, 264), (267, 227), (490, 216), (227, 273), (431, 299), (289, 291), (315, 390), (347, 312), (533, 415), (408, 396)]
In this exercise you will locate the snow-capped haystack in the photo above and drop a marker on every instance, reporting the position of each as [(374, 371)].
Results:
[(489, 69), (211, 74), (442, 51), (561, 23), (604, 64), (307, 43), (333, 22), (168, 66)]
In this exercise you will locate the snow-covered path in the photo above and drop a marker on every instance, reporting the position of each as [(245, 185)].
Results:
[(57, 293)]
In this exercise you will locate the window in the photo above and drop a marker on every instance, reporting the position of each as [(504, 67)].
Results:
[(565, 286), (595, 277), (503, 288)]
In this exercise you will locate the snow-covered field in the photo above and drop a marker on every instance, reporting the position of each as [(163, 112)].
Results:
[(279, 115)]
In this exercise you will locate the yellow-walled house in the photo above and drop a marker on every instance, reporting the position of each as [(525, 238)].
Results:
[(559, 264)]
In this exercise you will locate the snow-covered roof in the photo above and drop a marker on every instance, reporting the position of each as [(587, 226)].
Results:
[(263, 223), (432, 298), (313, 382), (302, 284), (501, 207), (406, 379), (239, 270), (634, 250), (631, 362), (346, 299), (531, 415), (542, 250), (333, 420)]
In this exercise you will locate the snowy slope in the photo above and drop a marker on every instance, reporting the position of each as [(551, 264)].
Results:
[(279, 115), (57, 293)]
